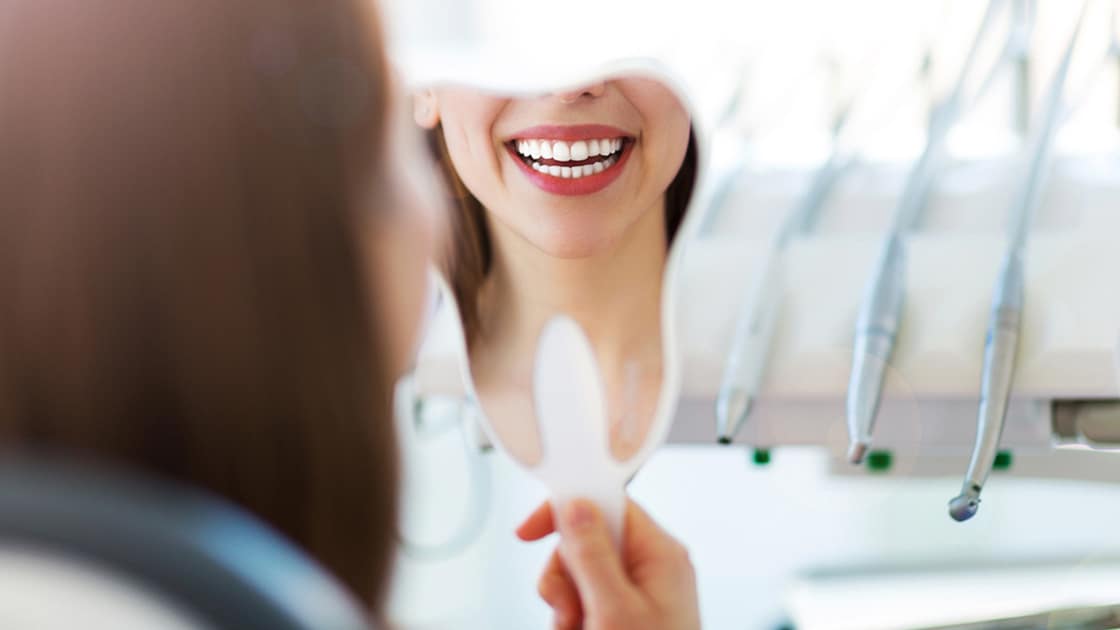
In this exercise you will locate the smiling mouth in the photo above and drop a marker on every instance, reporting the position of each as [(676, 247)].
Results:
[(570, 159)]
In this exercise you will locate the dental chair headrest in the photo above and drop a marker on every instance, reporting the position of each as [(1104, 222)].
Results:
[(149, 550)]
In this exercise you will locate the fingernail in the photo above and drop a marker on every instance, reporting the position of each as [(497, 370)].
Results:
[(580, 515)]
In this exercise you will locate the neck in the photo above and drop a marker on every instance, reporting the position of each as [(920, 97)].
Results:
[(614, 295)]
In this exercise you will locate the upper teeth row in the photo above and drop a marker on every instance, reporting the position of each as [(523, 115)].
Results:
[(563, 151)]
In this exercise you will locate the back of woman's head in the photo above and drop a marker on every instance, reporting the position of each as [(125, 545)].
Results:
[(181, 286)]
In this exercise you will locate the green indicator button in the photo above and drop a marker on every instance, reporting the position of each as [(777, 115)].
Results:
[(1003, 460), (879, 461), (761, 456)]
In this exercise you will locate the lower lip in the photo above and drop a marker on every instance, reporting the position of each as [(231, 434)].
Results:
[(586, 185)]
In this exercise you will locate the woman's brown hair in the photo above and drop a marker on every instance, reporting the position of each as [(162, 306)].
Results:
[(466, 262), (182, 190)]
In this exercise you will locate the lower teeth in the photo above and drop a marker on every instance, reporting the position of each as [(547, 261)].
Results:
[(574, 172)]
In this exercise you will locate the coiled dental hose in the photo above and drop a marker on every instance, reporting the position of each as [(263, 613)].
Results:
[(431, 417)]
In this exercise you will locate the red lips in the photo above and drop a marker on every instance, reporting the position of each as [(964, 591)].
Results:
[(585, 185)]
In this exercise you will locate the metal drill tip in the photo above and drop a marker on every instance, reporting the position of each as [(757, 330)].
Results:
[(964, 507), (731, 413), (857, 451)]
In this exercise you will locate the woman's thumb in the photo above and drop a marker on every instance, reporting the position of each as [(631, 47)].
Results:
[(591, 557)]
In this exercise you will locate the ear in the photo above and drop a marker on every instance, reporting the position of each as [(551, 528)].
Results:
[(425, 109)]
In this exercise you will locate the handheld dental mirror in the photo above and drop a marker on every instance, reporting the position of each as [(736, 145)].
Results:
[(572, 418), (563, 265)]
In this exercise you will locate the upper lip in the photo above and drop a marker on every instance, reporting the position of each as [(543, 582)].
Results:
[(569, 133)]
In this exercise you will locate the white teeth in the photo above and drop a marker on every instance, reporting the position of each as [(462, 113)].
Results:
[(560, 151), (564, 151), (575, 172), (579, 151)]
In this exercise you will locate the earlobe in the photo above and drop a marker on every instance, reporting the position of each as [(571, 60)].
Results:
[(425, 109)]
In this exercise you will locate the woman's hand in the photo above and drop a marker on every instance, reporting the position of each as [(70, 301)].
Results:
[(587, 583)]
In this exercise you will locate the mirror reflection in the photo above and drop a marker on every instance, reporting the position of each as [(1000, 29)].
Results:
[(834, 121), (566, 203)]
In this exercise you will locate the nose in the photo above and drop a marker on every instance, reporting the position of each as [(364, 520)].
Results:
[(594, 90)]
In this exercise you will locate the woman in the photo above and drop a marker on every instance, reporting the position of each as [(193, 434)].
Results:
[(213, 248), (568, 203), (191, 194)]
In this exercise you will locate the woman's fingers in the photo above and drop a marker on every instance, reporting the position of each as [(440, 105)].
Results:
[(559, 592), (589, 554), (588, 582), (555, 585), (538, 524)]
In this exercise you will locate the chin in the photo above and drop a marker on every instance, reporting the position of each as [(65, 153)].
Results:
[(573, 242)]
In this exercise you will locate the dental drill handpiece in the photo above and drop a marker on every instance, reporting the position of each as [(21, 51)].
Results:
[(754, 327), (1001, 346), (880, 314), (756, 320), (1000, 349)]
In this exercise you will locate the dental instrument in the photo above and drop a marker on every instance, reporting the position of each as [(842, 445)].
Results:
[(880, 314), (571, 410), (1004, 324), (754, 328)]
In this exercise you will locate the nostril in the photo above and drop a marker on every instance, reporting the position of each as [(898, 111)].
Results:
[(586, 92)]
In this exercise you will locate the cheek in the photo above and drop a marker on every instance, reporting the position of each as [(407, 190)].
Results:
[(474, 161), (666, 153), (468, 124), (667, 125)]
